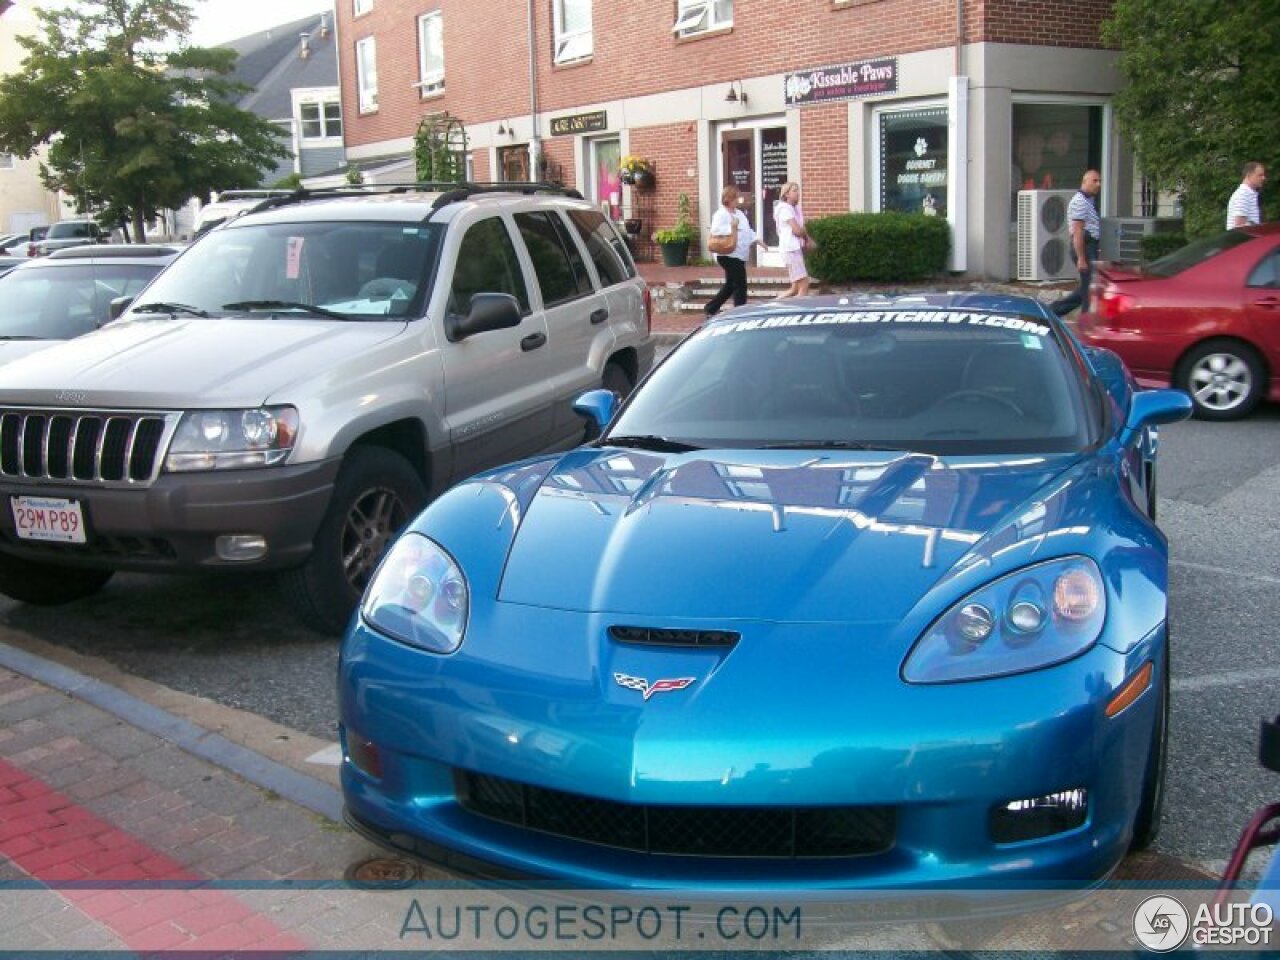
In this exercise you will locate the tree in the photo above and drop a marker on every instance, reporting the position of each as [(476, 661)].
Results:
[(132, 124), (1201, 95)]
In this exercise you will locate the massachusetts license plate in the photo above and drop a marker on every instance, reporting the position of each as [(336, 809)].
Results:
[(48, 518)]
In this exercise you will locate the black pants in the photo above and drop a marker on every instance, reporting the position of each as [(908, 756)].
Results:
[(735, 285), (1079, 297)]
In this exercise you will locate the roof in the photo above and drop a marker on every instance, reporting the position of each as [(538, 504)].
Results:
[(119, 251), (270, 62)]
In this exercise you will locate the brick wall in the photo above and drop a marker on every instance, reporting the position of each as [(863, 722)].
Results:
[(635, 52), (824, 162), (676, 147)]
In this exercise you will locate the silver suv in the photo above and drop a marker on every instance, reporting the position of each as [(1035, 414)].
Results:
[(300, 381)]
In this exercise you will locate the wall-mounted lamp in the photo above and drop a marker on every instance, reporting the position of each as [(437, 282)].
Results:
[(736, 94), (505, 129)]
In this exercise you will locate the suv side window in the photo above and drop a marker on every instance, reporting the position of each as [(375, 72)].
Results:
[(561, 271), (487, 263), (604, 245)]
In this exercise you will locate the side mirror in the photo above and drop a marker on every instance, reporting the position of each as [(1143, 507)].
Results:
[(1152, 407), (118, 306), (597, 407), (489, 311)]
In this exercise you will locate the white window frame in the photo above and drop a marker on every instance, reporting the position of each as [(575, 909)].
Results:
[(367, 86), (572, 45), (360, 7), (321, 102), (430, 81), (700, 16)]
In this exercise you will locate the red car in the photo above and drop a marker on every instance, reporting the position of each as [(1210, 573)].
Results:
[(1206, 319)]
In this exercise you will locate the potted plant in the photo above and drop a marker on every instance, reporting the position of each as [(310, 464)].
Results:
[(674, 241), (636, 171)]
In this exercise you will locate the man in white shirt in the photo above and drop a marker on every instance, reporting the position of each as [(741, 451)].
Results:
[(1244, 208)]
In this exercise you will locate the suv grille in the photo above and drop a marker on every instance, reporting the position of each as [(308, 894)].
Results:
[(703, 831), (109, 447)]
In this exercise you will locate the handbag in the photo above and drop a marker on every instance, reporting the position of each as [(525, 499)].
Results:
[(724, 243)]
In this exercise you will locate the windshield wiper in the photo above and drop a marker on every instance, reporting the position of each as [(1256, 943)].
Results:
[(826, 445), (284, 305), (650, 442), (160, 306)]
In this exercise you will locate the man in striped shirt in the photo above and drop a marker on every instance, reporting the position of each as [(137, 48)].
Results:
[(1244, 207), (1086, 231)]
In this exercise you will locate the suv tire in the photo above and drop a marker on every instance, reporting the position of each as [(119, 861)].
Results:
[(47, 584), (377, 493), (617, 379)]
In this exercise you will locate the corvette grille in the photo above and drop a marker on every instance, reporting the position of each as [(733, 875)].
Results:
[(103, 448), (703, 831)]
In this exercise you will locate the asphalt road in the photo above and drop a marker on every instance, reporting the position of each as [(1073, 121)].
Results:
[(232, 640)]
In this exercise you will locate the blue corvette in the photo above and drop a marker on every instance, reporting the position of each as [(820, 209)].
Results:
[(849, 594)]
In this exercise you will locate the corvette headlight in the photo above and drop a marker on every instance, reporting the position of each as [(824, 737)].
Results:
[(232, 439), (1033, 618), (419, 596)]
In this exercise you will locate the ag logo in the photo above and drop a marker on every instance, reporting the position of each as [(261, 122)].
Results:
[(1161, 923)]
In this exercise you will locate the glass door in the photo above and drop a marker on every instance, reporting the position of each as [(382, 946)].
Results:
[(754, 159), (603, 183)]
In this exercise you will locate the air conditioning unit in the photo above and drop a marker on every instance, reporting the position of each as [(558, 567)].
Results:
[(1044, 236), (1122, 236)]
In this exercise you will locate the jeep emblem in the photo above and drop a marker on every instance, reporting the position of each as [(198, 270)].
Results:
[(71, 396)]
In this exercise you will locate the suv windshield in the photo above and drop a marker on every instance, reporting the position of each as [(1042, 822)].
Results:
[(932, 381), (355, 270), (69, 229)]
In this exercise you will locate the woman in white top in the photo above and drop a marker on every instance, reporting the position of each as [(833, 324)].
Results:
[(792, 239), (734, 264)]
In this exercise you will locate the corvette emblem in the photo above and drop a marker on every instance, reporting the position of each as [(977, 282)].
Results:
[(649, 689)]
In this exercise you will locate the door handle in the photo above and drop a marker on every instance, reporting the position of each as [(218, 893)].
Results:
[(1269, 302), (533, 341), (599, 316)]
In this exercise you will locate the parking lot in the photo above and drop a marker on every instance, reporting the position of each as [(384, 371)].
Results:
[(231, 641)]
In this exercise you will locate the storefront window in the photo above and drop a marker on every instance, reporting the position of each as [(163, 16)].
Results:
[(913, 161), (1053, 145)]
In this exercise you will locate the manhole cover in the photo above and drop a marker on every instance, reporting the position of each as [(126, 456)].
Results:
[(383, 872)]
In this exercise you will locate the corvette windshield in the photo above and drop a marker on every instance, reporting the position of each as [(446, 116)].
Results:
[(933, 381), (355, 271)]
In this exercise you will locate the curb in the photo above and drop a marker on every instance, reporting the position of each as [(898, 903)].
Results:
[(254, 767)]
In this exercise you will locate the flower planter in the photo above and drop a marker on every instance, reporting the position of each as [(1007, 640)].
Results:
[(642, 180), (675, 254)]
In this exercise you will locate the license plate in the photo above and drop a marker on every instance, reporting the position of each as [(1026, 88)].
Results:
[(48, 518)]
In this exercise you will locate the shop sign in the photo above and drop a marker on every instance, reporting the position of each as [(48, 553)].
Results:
[(845, 81), (579, 123)]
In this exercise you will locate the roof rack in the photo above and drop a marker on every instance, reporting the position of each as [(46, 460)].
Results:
[(451, 191), (250, 194)]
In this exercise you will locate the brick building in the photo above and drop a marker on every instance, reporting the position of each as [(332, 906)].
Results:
[(940, 106)]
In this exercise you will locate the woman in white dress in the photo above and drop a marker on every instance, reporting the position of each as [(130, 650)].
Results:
[(792, 239)]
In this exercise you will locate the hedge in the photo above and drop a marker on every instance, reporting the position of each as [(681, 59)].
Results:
[(1156, 245), (888, 247)]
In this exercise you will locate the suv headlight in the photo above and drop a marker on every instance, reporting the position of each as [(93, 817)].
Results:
[(419, 596), (232, 439), (1033, 618)]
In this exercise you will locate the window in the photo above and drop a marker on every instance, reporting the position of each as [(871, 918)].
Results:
[(431, 52), (367, 74), (321, 121), (1053, 145), (699, 16), (487, 263), (1267, 273), (913, 162), (573, 30), (603, 243), (359, 7), (560, 269)]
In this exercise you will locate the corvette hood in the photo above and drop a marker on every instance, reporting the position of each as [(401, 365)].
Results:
[(179, 362), (779, 535)]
